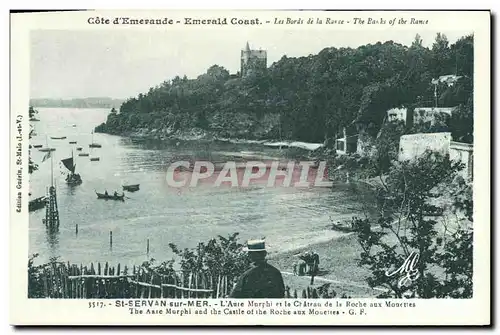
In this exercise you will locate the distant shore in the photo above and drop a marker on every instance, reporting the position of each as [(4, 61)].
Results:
[(89, 102)]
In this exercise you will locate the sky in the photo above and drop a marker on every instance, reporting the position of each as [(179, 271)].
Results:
[(121, 64)]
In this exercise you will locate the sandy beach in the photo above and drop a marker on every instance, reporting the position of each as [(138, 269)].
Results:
[(338, 266)]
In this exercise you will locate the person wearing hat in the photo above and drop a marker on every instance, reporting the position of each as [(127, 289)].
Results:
[(262, 280)]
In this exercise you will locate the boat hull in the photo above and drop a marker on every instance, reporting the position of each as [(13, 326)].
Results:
[(37, 204), (46, 149), (58, 138), (95, 145), (73, 180), (131, 188), (342, 228), (110, 197)]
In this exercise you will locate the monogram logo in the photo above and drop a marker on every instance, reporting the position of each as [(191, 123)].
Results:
[(407, 270)]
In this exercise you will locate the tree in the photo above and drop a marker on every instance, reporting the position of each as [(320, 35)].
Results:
[(406, 230), (221, 256), (311, 97), (32, 166), (417, 42), (441, 56), (387, 146)]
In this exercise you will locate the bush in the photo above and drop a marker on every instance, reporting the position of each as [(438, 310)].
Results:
[(223, 256), (404, 232)]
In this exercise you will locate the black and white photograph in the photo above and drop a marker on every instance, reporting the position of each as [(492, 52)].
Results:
[(252, 162)]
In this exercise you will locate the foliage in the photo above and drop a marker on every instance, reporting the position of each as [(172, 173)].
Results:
[(222, 256), (35, 276), (462, 123), (32, 166), (387, 147), (306, 98), (405, 227)]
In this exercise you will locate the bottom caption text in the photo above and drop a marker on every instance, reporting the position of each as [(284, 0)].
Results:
[(288, 307)]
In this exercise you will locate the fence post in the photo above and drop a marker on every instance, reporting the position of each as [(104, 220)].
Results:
[(315, 293)]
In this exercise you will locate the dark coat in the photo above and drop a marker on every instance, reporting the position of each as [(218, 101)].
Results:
[(261, 281)]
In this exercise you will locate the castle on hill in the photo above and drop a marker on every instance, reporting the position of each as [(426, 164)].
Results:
[(253, 61)]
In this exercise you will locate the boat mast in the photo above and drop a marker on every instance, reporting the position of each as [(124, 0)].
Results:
[(51, 169)]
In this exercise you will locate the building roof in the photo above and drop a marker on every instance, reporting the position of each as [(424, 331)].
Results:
[(447, 110), (461, 145), (449, 79)]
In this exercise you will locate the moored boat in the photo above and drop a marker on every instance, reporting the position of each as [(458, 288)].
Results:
[(37, 145), (83, 154), (345, 227), (72, 142), (94, 159), (131, 188), (92, 144), (46, 149), (58, 137), (106, 196), (79, 149), (37, 204)]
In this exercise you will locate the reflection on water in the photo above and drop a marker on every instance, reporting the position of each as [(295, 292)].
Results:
[(52, 237), (157, 212)]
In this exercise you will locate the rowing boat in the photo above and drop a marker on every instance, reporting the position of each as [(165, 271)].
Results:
[(131, 188), (110, 197)]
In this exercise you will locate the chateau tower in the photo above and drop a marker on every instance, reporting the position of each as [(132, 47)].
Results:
[(253, 61)]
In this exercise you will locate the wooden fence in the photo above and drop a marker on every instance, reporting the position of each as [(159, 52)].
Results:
[(69, 281), (58, 280)]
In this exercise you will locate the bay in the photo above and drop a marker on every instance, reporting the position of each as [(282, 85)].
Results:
[(289, 218)]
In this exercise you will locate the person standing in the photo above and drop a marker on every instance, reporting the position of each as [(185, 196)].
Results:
[(315, 266), (262, 280)]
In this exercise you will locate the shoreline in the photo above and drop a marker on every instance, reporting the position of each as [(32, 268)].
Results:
[(338, 267), (154, 134)]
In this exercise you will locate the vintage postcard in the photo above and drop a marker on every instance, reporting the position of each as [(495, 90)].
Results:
[(250, 168)]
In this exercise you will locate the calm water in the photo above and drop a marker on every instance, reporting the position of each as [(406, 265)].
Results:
[(287, 217)]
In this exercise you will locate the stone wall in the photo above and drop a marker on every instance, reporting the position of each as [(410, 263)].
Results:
[(414, 145)]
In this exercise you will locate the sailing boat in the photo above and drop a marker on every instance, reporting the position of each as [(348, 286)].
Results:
[(47, 148), (93, 159), (72, 178), (92, 144)]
